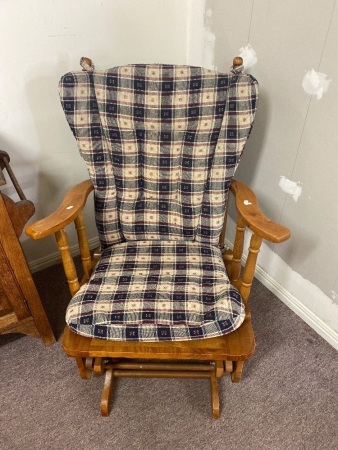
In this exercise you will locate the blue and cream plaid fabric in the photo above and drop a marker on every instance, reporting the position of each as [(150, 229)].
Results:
[(157, 290), (161, 144)]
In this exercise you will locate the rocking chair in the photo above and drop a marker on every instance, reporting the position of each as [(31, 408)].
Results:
[(163, 297)]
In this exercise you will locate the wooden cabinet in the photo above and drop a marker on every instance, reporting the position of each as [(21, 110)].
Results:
[(21, 310)]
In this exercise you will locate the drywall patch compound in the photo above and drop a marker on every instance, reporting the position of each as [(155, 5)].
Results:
[(315, 83), (290, 187), (209, 42), (249, 56)]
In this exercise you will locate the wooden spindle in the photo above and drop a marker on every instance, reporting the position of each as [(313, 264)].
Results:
[(67, 260), (83, 245), (250, 265), (4, 164), (237, 253)]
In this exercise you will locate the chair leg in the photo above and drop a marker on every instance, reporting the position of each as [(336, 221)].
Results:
[(228, 367), (237, 373), (106, 393), (219, 368), (98, 366), (214, 396), (84, 371)]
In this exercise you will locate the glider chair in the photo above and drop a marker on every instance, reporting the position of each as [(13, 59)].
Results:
[(163, 297)]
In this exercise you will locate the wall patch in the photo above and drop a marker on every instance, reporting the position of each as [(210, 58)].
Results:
[(290, 187), (315, 83), (249, 56), (209, 42)]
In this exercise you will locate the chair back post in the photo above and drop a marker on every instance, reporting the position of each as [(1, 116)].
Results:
[(83, 246), (235, 268), (237, 62), (223, 232)]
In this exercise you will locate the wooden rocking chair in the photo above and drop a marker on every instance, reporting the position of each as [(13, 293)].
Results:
[(163, 297)]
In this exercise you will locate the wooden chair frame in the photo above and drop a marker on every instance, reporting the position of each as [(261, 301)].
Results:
[(207, 358)]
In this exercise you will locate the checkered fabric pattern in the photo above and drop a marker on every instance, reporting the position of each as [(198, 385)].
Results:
[(157, 290), (161, 144)]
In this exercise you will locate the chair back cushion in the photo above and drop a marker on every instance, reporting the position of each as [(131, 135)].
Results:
[(161, 144)]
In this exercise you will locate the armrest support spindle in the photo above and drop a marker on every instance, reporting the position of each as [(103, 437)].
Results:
[(249, 216), (250, 266), (67, 260)]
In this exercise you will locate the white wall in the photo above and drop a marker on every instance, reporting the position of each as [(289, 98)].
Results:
[(40, 40), (294, 134)]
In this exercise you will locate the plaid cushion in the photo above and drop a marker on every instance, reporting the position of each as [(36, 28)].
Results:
[(157, 290), (161, 144)]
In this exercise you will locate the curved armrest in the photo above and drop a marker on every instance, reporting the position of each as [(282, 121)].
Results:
[(247, 206), (72, 204)]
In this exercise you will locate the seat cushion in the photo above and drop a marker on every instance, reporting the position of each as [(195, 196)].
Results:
[(157, 290)]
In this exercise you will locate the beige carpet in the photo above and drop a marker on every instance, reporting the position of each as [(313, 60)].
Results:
[(287, 399)]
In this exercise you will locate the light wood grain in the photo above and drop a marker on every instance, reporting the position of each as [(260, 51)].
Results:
[(25, 313), (238, 345), (72, 204), (247, 207)]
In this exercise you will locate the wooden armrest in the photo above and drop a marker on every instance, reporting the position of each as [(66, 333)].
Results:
[(247, 207), (72, 204)]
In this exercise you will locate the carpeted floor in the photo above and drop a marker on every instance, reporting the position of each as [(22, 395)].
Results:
[(287, 399)]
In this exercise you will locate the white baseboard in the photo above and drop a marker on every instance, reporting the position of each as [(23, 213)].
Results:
[(297, 307), (294, 303), (55, 258)]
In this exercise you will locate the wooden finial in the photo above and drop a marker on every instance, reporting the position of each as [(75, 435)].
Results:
[(4, 164), (237, 61), (3, 157), (86, 63)]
